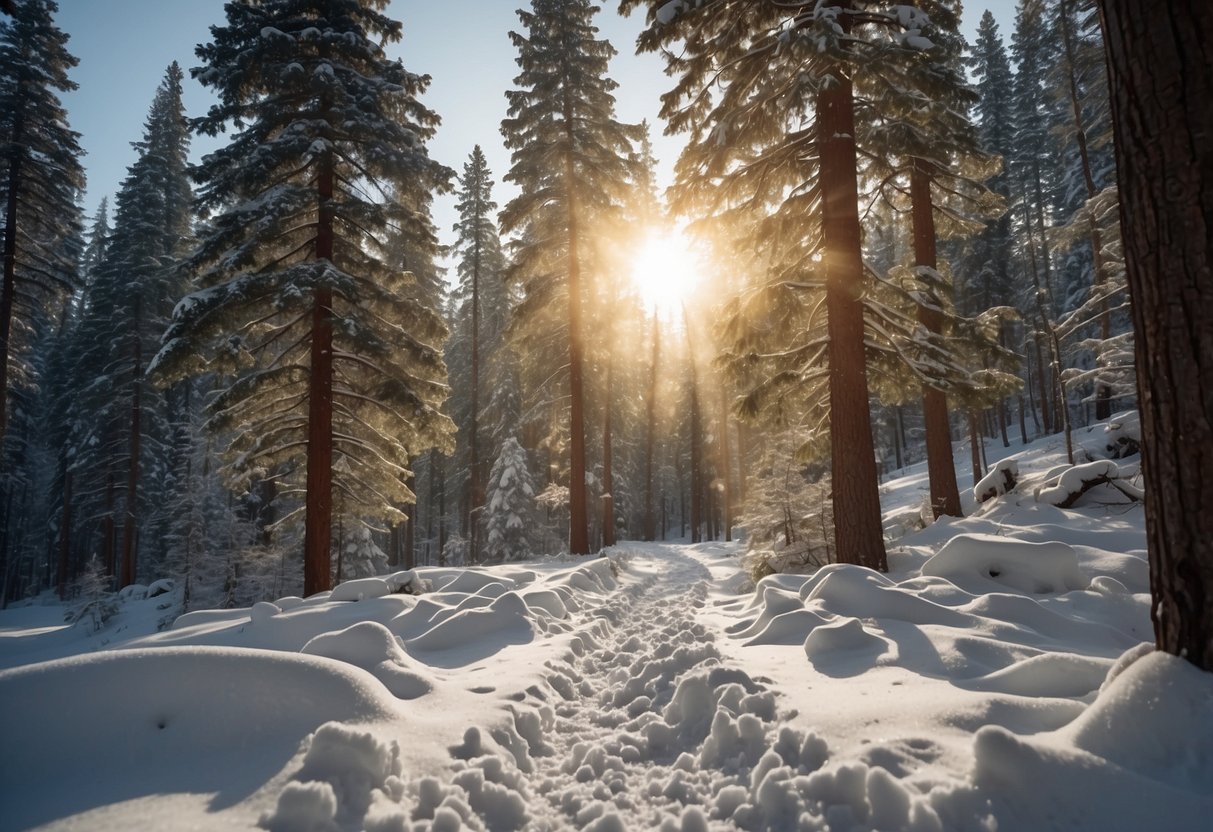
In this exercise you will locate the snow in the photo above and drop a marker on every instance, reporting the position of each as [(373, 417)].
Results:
[(997, 678)]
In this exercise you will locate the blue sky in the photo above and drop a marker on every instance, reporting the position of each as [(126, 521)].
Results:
[(125, 45)]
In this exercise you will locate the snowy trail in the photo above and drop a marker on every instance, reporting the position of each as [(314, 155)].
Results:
[(640, 724)]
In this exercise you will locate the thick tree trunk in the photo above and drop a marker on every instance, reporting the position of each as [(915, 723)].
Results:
[(941, 469), (697, 505), (857, 528), (1160, 62), (975, 448), (579, 543), (318, 522)]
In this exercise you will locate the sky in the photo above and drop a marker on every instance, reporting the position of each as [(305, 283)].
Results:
[(124, 47)]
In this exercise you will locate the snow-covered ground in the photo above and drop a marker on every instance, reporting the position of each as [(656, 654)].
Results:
[(996, 679)]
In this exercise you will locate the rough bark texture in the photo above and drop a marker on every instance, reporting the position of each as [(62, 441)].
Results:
[(608, 478), (318, 525), (945, 496), (857, 529), (1160, 67)]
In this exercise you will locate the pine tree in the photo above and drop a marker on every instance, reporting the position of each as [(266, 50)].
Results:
[(572, 161), (768, 94), (40, 177), (130, 290), (333, 356), (480, 320), (510, 506)]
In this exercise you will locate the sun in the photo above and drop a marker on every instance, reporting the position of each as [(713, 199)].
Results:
[(666, 272)]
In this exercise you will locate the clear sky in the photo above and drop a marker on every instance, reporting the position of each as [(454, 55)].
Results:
[(125, 45)]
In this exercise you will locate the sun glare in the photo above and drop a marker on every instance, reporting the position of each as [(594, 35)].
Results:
[(665, 271)]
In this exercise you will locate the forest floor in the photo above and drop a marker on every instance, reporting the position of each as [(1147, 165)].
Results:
[(998, 678)]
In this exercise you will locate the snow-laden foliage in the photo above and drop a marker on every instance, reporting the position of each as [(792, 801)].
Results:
[(328, 161), (509, 511)]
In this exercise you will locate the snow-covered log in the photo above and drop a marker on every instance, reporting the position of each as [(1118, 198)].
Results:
[(1001, 479)]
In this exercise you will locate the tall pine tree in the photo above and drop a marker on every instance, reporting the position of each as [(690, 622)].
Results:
[(40, 176), (572, 160), (337, 378)]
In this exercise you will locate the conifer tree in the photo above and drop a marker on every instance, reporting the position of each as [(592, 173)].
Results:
[(331, 353), (130, 293), (40, 176), (510, 506), (767, 92), (572, 160), (480, 321)]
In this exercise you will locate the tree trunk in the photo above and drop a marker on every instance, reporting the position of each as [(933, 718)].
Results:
[(651, 437), (696, 443), (8, 290), (608, 504), (127, 576), (941, 469), (857, 528), (726, 491), (65, 532), (1160, 66), (318, 522), (975, 448), (579, 543), (475, 496)]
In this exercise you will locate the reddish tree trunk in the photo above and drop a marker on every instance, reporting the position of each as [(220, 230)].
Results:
[(945, 496), (318, 523), (579, 542), (857, 528), (1160, 66), (726, 491), (608, 501)]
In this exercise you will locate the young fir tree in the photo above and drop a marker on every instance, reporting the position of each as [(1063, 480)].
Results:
[(572, 160), (40, 177), (510, 506), (480, 318), (332, 356)]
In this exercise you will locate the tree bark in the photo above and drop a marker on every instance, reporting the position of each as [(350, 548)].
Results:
[(941, 469), (857, 528), (475, 495), (318, 523), (65, 532), (608, 501), (726, 490), (579, 543), (696, 442), (1160, 68)]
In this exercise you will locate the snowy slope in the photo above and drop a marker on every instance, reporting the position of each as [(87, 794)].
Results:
[(995, 679)]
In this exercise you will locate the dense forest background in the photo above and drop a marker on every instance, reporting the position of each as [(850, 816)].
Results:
[(200, 371)]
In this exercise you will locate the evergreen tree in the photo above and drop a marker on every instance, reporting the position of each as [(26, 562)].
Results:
[(572, 160), (332, 354), (130, 292), (480, 321), (510, 506), (40, 177)]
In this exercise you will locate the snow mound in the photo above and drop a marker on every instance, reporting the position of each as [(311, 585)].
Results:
[(847, 635), (506, 620), (235, 715), (1001, 479), (372, 647), (988, 563)]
